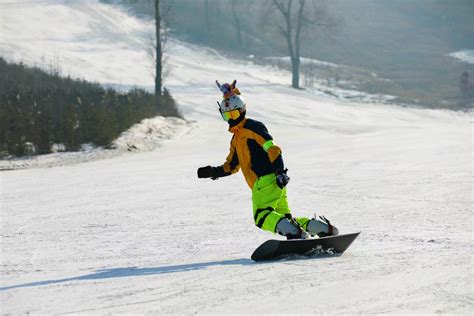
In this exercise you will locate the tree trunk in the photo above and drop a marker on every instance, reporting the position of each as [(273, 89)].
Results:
[(237, 24), (296, 64), (293, 48), (295, 67), (158, 69)]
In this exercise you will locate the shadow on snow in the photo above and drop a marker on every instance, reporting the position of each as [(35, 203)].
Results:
[(134, 271)]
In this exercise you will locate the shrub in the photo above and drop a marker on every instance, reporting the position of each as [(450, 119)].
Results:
[(39, 109)]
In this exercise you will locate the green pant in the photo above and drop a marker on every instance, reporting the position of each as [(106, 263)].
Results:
[(270, 204)]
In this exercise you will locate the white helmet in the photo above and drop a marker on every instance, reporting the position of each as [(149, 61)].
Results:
[(232, 107), (233, 103)]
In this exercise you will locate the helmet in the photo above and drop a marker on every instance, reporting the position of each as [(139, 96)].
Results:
[(233, 105), (232, 108)]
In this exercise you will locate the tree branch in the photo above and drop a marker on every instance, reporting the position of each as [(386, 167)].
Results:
[(280, 6)]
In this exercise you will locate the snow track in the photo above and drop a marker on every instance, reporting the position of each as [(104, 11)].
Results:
[(139, 233)]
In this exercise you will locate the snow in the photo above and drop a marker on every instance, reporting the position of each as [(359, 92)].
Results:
[(466, 55), (330, 87), (81, 38), (139, 233), (304, 61), (150, 133), (147, 135)]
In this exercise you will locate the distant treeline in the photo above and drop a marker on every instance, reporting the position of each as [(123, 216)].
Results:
[(363, 34), (39, 109)]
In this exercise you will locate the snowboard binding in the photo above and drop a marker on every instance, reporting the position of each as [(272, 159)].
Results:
[(290, 228), (332, 230), (302, 234)]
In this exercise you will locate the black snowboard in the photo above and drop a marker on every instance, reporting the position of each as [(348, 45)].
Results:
[(273, 249)]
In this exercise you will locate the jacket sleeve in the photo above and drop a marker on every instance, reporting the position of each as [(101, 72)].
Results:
[(231, 164), (265, 140)]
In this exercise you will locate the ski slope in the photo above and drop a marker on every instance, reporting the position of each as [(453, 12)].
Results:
[(139, 233)]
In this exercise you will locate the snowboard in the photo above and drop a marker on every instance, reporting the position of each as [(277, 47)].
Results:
[(274, 249)]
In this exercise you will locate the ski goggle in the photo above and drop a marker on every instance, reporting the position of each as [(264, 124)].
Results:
[(230, 115)]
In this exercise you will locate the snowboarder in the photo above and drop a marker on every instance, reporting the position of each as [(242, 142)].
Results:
[(252, 150)]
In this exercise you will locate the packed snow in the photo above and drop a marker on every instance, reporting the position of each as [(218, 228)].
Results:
[(139, 233)]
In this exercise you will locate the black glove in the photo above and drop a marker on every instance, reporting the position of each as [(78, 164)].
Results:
[(282, 178), (207, 172)]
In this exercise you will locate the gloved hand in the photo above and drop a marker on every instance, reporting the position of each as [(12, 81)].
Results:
[(207, 172), (282, 178)]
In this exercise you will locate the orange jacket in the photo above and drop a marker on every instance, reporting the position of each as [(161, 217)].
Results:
[(253, 151)]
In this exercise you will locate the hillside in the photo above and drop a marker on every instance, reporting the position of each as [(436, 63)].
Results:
[(405, 43)]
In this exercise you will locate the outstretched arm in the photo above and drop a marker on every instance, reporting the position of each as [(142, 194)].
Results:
[(230, 166)]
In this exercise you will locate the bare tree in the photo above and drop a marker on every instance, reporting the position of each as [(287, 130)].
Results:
[(158, 54), (295, 22), (237, 23), (291, 30), (158, 45)]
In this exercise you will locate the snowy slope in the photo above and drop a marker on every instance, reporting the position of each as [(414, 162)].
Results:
[(79, 38), (139, 233)]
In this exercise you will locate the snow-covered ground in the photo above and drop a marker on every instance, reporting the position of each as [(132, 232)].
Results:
[(147, 135), (304, 61), (81, 38), (330, 87), (139, 233)]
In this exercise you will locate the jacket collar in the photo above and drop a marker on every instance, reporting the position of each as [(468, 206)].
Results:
[(236, 128)]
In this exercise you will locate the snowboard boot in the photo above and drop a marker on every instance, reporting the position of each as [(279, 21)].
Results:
[(290, 228), (321, 226)]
